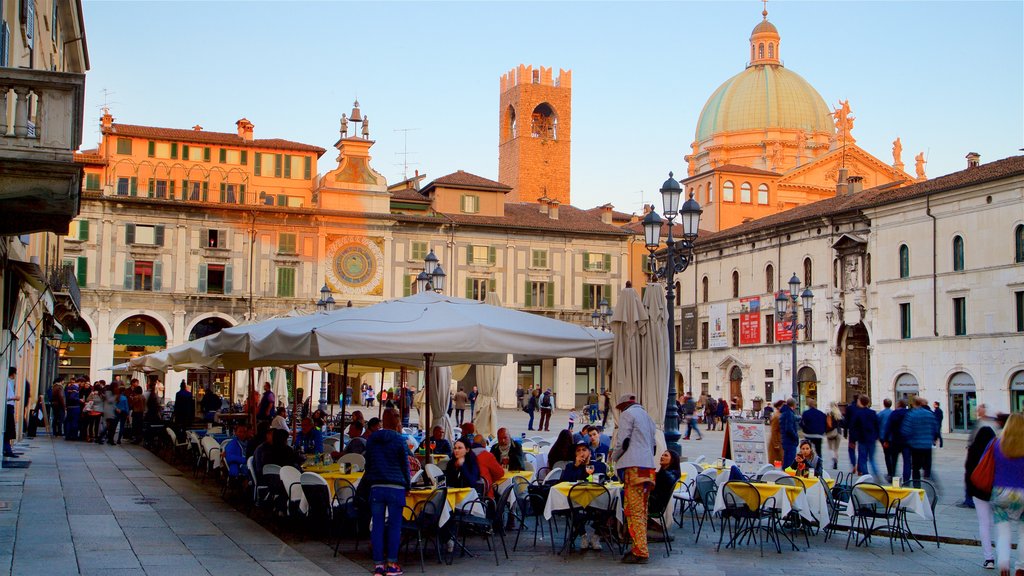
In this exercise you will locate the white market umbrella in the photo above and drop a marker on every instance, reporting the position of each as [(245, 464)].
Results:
[(439, 392), (487, 378), (630, 323), (654, 361)]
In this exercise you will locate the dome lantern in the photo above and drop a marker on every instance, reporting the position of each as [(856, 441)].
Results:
[(764, 43)]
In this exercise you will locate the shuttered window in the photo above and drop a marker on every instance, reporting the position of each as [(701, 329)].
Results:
[(286, 282), (124, 146)]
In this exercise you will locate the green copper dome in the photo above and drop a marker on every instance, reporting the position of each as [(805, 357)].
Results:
[(764, 96)]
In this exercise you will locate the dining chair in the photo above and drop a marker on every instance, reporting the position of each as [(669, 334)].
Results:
[(423, 522), (933, 499), (748, 515), (870, 503)]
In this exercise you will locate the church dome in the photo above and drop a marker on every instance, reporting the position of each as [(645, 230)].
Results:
[(765, 27), (764, 96)]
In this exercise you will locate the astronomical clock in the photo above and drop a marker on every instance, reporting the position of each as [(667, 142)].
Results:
[(355, 265)]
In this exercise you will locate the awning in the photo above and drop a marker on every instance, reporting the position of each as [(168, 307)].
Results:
[(31, 273)]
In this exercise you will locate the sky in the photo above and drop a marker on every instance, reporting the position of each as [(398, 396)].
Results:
[(946, 77)]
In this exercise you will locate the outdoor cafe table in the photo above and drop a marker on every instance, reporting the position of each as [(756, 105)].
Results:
[(817, 503), (558, 498), (457, 497), (786, 498), (504, 481), (912, 499)]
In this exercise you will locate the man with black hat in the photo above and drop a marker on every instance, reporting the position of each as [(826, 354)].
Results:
[(634, 459)]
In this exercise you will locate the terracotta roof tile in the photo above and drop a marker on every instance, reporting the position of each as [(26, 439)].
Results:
[(90, 157), (527, 216), (736, 169), (616, 215), (463, 179), (408, 194), (206, 137)]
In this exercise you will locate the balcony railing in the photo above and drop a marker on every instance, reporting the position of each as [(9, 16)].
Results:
[(46, 118), (63, 282)]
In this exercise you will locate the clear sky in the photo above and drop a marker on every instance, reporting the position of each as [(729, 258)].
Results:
[(946, 77)]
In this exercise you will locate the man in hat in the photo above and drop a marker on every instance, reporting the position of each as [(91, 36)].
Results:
[(634, 459)]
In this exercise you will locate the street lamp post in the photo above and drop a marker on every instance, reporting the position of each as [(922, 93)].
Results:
[(788, 303), (324, 304), (600, 318), (677, 256), (431, 278)]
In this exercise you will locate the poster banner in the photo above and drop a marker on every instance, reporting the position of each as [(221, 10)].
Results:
[(783, 333), (688, 328), (717, 337), (750, 320)]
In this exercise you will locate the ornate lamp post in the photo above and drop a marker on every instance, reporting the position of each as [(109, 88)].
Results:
[(788, 303), (600, 318), (324, 304), (432, 277), (677, 257)]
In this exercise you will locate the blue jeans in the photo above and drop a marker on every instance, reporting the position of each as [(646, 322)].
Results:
[(691, 426), (391, 500), (788, 453), (907, 469), (530, 425), (866, 458)]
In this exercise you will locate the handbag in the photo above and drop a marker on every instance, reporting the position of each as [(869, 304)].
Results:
[(984, 474)]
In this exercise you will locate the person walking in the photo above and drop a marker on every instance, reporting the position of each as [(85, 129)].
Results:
[(897, 442), (833, 425), (531, 407), (775, 452), (73, 405), (884, 436), (920, 429), (788, 430), (983, 434), (387, 475), (591, 409), (722, 412), (812, 422), (710, 409), (12, 398), (633, 454), (851, 445), (864, 433), (461, 400), (185, 407), (472, 403), (607, 407), (110, 398), (520, 398), (938, 421), (137, 404), (547, 405), (58, 406), (1008, 492), (689, 412)]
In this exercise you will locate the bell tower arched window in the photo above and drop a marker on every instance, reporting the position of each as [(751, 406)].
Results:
[(544, 122), (958, 253), (771, 50)]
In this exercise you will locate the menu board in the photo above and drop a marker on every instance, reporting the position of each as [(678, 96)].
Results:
[(747, 444)]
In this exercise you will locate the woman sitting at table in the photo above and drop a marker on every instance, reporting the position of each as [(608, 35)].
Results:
[(582, 466), (462, 471), (562, 450), (666, 477), (806, 461)]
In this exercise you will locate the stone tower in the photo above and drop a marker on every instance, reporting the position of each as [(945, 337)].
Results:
[(534, 134)]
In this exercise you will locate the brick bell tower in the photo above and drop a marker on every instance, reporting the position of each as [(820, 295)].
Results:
[(535, 127)]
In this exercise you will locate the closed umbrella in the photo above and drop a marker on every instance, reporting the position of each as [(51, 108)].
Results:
[(439, 394), (487, 377), (629, 324), (654, 365)]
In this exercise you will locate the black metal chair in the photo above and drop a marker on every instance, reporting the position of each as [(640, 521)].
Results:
[(747, 519), (933, 499), (870, 504), (346, 505), (585, 507), (527, 505), (795, 521), (657, 505), (707, 492), (838, 500), (424, 522), (480, 517)]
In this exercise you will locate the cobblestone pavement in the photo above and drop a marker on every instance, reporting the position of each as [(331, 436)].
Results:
[(122, 510)]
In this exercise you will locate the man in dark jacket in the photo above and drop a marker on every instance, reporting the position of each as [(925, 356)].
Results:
[(813, 423), (268, 403), (920, 430), (508, 452), (864, 433), (897, 443), (851, 447), (938, 420), (788, 430), (184, 408), (885, 436)]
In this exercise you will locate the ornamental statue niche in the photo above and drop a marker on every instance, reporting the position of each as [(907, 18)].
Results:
[(851, 279)]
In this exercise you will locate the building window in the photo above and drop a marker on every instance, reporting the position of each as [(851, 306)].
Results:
[(194, 190), (594, 293), (597, 262), (905, 320), (704, 288), (144, 234), (158, 189), (539, 259), (476, 288), (418, 251), (904, 261), (958, 253), (1018, 244), (286, 282), (769, 279), (735, 324), (143, 275), (215, 278), (477, 255), (124, 146), (771, 50), (960, 316), (542, 294), (760, 50), (126, 186), (704, 336), (711, 192), (216, 239), (727, 192), (735, 284), (808, 279), (470, 203), (745, 193), (762, 194), (1019, 297), (769, 329), (287, 243), (80, 266), (92, 181)]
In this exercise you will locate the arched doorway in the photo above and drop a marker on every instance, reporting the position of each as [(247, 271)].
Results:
[(906, 387), (854, 343), (75, 352), (736, 387), (1017, 392), (136, 336), (807, 380), (963, 402), (220, 381), (680, 385)]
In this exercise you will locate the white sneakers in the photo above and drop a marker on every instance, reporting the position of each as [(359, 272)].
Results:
[(590, 541)]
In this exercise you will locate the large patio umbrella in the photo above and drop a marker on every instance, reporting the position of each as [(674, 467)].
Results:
[(629, 324), (654, 363), (487, 377), (439, 391)]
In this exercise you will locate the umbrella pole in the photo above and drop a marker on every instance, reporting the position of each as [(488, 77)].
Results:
[(295, 401), (380, 405), (427, 381), (250, 406), (344, 402)]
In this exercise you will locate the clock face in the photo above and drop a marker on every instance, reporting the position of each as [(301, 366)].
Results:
[(355, 265)]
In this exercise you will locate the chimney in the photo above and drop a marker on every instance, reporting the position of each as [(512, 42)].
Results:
[(841, 182), (973, 160), (856, 184), (106, 121), (606, 213), (244, 129), (553, 210), (197, 128), (543, 202)]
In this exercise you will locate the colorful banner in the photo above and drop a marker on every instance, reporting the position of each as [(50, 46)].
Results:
[(688, 328), (717, 332), (750, 320), (782, 325)]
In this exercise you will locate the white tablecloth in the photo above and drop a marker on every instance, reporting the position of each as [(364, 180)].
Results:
[(912, 500), (558, 501), (780, 501)]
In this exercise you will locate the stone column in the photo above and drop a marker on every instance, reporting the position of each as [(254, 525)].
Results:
[(507, 384)]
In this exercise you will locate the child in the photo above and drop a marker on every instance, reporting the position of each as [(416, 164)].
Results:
[(572, 418)]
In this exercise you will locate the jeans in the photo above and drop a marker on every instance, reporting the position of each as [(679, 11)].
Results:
[(71, 423), (851, 449), (545, 419), (460, 416), (907, 458), (391, 500), (58, 421), (691, 426), (891, 455), (921, 459), (137, 426), (788, 453), (866, 458), (529, 426)]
